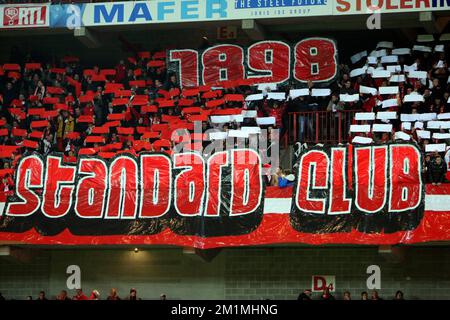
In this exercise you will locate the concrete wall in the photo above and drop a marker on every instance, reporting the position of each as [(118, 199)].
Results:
[(244, 273)]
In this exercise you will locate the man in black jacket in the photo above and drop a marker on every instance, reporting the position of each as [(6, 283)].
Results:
[(305, 295), (436, 170)]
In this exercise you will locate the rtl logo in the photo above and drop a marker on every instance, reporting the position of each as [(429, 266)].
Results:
[(24, 16)]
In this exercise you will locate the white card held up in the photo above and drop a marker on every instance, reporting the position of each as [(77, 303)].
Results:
[(349, 97), (295, 93), (362, 140), (357, 72), (436, 147), (368, 90), (385, 44), (356, 57), (267, 86), (441, 136), (423, 134), (422, 48), (443, 116), (372, 60), (390, 103), (440, 64), (249, 113), (425, 38), (388, 90), (378, 53), (406, 126), (438, 125), (320, 92), (364, 116), (254, 97), (220, 119), (413, 97), (387, 115), (358, 128), (237, 134), (410, 68), (389, 59), (394, 69), (251, 130), (381, 74), (237, 118), (397, 78), (377, 127), (439, 48), (417, 74), (401, 51), (265, 121), (407, 117), (218, 135), (427, 116), (418, 125), (276, 96), (399, 135)]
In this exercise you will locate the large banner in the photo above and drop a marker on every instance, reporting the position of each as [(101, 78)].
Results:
[(181, 11), (311, 59), (355, 194), (345, 7), (163, 11), (22, 15)]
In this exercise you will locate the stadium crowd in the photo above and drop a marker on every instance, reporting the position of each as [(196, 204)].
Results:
[(306, 295), (77, 109)]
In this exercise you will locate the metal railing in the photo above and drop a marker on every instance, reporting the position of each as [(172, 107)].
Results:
[(320, 126)]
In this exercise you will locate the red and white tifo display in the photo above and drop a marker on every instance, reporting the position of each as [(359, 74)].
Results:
[(355, 194), (313, 59)]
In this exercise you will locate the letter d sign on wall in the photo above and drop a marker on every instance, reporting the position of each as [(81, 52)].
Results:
[(319, 283)]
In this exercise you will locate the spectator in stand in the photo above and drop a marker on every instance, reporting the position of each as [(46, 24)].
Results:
[(326, 295), (113, 295), (42, 296), (95, 295), (399, 295), (7, 183), (347, 296), (274, 108), (375, 295), (66, 124), (364, 295), (133, 295), (171, 83), (29, 298), (304, 126), (286, 179), (281, 178), (62, 296), (436, 170), (305, 295), (121, 72), (2, 298), (80, 295), (163, 296)]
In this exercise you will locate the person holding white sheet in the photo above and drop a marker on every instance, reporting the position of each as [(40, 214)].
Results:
[(436, 170), (440, 66), (304, 127)]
